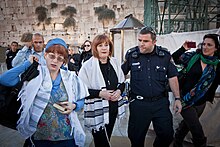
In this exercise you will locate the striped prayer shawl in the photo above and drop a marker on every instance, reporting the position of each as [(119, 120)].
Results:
[(35, 95), (96, 110)]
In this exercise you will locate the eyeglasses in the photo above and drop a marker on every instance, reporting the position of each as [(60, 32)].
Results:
[(148, 29), (87, 45), (36, 42), (59, 58)]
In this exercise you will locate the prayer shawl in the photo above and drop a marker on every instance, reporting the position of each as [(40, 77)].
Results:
[(96, 109), (35, 95)]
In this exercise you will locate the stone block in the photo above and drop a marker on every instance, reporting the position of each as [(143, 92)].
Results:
[(37, 3), (49, 27), (48, 2), (60, 2), (7, 11), (55, 13), (2, 4), (31, 11), (19, 3), (30, 2), (59, 26)]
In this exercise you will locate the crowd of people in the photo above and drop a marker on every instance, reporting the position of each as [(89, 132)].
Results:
[(49, 102)]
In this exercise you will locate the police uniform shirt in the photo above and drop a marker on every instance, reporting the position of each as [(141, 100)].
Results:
[(149, 72)]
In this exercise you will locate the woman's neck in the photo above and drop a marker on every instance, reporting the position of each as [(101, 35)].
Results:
[(103, 60), (54, 75)]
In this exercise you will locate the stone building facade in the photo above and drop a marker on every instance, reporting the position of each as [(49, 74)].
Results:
[(18, 16)]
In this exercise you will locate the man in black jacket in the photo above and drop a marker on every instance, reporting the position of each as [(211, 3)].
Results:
[(11, 53)]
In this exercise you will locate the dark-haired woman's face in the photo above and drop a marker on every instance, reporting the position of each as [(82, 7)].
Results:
[(87, 46), (208, 47)]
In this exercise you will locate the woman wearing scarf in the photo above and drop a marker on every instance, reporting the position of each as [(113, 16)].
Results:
[(50, 101), (105, 80), (202, 77)]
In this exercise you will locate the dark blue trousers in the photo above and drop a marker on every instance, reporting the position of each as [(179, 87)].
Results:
[(142, 113)]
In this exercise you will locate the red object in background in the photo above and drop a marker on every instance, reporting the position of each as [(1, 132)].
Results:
[(191, 44)]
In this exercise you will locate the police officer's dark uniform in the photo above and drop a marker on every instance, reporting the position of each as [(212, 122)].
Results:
[(9, 57), (149, 95)]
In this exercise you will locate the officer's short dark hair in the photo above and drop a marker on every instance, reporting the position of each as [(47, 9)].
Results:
[(148, 30), (14, 42)]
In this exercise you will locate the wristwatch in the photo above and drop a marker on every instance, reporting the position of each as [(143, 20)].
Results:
[(177, 98)]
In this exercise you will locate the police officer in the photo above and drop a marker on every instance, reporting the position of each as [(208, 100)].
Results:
[(11, 53), (151, 70)]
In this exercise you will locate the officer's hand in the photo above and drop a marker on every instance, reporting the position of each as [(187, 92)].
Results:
[(177, 106), (106, 94), (115, 95)]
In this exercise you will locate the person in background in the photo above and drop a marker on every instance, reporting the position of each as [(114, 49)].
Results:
[(201, 81), (74, 60), (12, 77), (87, 51), (11, 53), (151, 70), (105, 102), (50, 101), (33, 47)]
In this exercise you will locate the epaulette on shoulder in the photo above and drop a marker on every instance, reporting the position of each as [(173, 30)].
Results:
[(133, 52), (161, 51)]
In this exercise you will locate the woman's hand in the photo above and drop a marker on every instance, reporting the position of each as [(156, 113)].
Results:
[(115, 95), (186, 46), (106, 94), (69, 107), (32, 58)]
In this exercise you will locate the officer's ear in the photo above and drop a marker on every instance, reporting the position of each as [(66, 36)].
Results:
[(154, 42)]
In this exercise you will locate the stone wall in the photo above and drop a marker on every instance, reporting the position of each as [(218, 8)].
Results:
[(18, 16)]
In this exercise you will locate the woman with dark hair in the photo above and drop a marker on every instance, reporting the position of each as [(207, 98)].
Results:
[(87, 51), (202, 77), (49, 102), (105, 102)]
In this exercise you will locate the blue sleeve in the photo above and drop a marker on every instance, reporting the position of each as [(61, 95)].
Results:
[(12, 76), (79, 104)]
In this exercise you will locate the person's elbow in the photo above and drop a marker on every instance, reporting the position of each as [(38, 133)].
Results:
[(9, 84)]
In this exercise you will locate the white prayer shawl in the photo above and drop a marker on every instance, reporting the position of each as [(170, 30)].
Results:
[(42, 86), (92, 76)]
